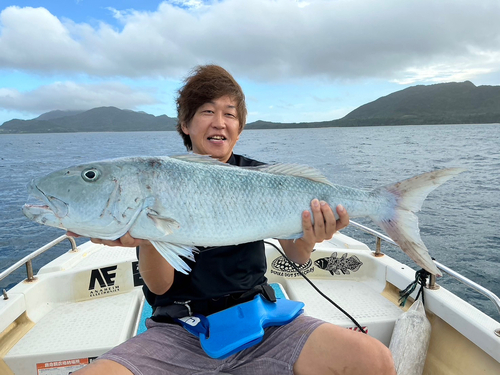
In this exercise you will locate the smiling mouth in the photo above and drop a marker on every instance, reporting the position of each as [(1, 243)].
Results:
[(217, 138)]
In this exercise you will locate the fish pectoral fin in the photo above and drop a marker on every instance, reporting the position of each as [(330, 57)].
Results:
[(173, 253), (166, 225)]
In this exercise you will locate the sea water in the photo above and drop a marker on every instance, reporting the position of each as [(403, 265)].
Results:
[(459, 221)]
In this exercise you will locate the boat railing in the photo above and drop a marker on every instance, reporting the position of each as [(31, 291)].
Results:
[(27, 260), (432, 283)]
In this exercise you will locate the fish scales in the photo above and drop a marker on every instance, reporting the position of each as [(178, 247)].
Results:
[(236, 207), (243, 205)]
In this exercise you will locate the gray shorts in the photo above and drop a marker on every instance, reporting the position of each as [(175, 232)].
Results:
[(169, 349)]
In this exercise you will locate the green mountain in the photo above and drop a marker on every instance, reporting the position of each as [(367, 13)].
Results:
[(56, 114), (102, 119), (444, 103)]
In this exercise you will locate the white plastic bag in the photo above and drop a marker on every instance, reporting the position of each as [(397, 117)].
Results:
[(410, 340)]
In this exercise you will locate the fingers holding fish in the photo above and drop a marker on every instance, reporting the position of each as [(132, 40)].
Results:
[(125, 241), (308, 235), (321, 225), (106, 242), (128, 241), (343, 220), (97, 240), (325, 224), (330, 223)]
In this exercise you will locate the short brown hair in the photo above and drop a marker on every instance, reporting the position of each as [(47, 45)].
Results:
[(204, 84)]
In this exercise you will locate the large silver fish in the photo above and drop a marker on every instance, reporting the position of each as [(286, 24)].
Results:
[(181, 202)]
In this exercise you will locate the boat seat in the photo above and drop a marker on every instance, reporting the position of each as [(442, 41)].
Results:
[(78, 331), (368, 307)]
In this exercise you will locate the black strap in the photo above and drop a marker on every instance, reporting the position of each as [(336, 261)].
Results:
[(210, 306), (166, 313), (266, 290)]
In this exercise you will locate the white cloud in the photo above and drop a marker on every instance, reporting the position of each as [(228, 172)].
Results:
[(190, 4), (439, 74), (302, 4), (265, 40), (33, 39), (70, 95)]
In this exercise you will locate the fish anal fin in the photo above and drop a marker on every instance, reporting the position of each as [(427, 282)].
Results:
[(173, 253)]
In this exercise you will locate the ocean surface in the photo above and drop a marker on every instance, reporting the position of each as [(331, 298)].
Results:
[(459, 222)]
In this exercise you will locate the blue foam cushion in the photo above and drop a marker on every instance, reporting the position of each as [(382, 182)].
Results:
[(242, 326), (278, 291), (146, 313)]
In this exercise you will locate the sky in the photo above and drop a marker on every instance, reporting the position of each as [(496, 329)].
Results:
[(296, 60)]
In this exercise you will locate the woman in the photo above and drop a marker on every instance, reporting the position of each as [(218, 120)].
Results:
[(212, 113)]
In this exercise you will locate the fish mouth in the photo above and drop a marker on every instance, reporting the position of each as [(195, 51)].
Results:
[(53, 206)]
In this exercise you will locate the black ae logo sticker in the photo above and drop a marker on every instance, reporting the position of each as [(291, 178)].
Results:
[(105, 277)]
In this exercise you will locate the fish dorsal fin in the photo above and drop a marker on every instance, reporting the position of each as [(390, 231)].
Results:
[(196, 158), (296, 170)]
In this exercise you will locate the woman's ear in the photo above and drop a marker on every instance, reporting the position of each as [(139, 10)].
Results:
[(184, 128)]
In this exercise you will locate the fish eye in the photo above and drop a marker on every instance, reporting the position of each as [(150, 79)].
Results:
[(91, 175)]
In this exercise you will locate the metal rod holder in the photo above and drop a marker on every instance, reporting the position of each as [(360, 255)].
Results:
[(29, 271), (378, 248), (432, 283)]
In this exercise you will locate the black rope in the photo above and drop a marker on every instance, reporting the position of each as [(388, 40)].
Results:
[(420, 279), (316, 288)]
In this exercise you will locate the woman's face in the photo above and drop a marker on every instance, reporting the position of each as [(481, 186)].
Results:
[(214, 128)]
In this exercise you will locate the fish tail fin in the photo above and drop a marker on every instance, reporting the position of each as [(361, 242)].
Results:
[(400, 222)]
